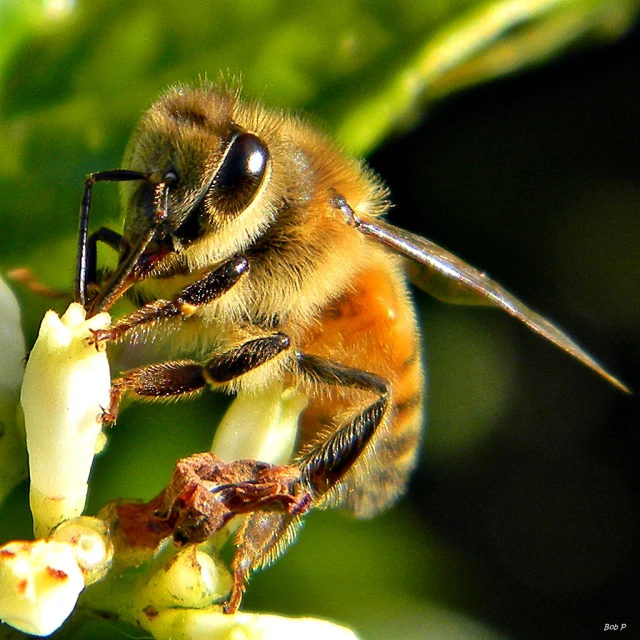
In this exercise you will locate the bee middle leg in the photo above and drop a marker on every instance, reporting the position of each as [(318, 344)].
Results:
[(186, 378)]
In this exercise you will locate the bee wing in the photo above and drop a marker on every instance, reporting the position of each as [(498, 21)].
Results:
[(445, 276)]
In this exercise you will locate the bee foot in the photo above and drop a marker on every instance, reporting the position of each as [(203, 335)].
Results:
[(107, 418), (99, 338)]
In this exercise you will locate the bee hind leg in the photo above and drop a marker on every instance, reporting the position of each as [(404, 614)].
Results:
[(326, 462), (264, 535)]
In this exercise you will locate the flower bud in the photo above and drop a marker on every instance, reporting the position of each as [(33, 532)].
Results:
[(65, 389), (212, 625), (13, 459), (260, 426), (192, 579), (91, 544)]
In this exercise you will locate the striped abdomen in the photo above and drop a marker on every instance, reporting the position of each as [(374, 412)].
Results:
[(372, 327)]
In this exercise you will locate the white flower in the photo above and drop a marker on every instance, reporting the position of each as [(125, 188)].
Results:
[(92, 546), (40, 582), (65, 389), (192, 579), (261, 426), (12, 450), (178, 624)]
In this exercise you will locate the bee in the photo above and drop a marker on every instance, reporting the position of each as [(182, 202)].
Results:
[(249, 231)]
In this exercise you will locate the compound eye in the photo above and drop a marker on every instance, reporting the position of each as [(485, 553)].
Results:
[(240, 174)]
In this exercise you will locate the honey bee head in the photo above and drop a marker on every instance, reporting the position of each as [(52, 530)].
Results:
[(215, 173)]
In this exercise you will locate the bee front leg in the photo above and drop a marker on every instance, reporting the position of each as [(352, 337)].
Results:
[(264, 535), (212, 286), (88, 278)]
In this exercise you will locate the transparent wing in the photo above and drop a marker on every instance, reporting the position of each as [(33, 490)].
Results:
[(445, 276)]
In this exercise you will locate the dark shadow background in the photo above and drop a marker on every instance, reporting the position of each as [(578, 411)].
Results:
[(535, 179)]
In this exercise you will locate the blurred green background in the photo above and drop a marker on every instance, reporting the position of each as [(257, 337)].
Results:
[(522, 520)]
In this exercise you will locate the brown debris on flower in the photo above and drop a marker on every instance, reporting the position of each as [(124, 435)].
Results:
[(204, 494)]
